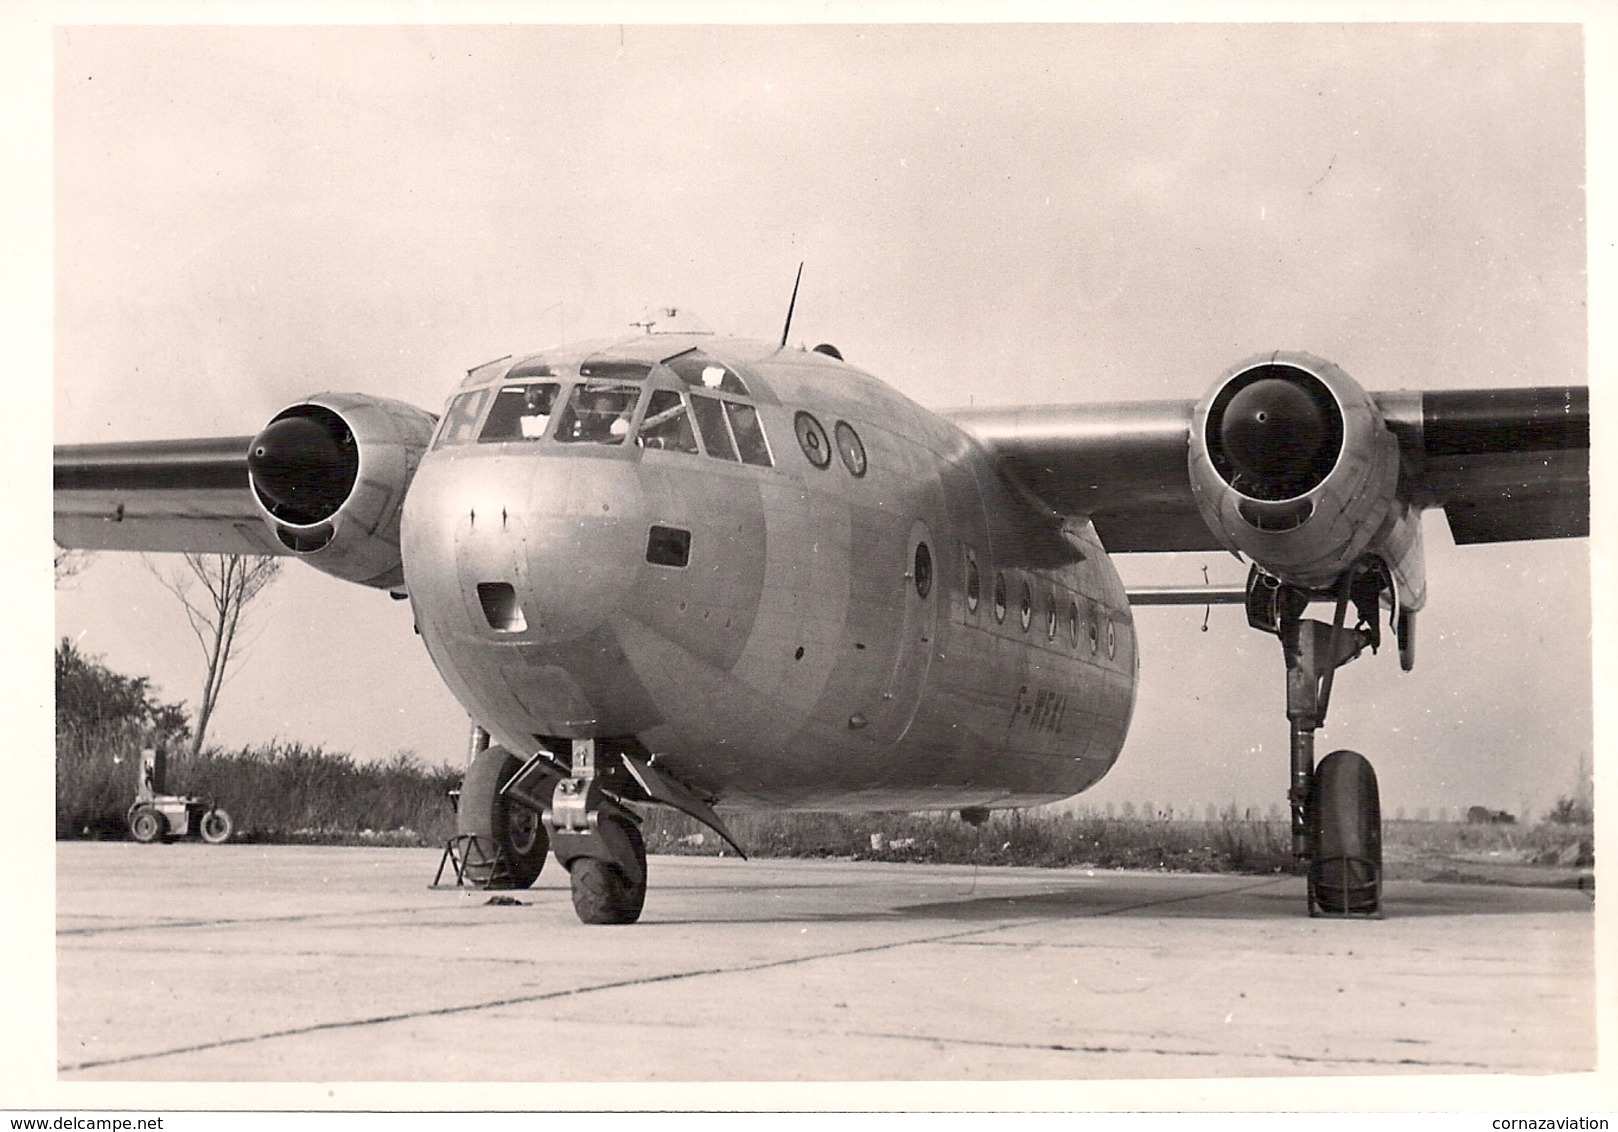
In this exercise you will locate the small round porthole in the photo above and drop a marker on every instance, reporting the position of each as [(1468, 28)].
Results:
[(812, 439), (1112, 638), (850, 448), (1027, 611), (1050, 619), (924, 570), (972, 585), (999, 597), (1093, 639), (1073, 623)]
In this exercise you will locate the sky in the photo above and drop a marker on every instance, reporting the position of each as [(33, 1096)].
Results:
[(987, 215)]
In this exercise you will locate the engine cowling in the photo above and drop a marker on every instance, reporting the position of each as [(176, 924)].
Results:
[(329, 475), (1293, 466)]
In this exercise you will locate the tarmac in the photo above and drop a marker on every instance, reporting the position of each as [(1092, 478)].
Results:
[(243, 963)]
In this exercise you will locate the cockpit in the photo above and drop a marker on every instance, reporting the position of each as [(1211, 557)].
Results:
[(691, 403)]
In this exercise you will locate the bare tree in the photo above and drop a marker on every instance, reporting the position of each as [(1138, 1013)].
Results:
[(231, 582), (69, 563)]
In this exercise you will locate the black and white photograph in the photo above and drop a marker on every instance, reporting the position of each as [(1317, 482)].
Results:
[(685, 563)]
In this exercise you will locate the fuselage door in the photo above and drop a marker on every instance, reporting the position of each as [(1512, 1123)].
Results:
[(913, 653)]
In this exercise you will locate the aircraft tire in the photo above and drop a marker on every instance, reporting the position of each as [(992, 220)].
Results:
[(215, 827), (602, 893), (146, 825), (511, 839), (1345, 812)]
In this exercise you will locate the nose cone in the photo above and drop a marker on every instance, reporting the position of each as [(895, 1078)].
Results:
[(304, 464), (1271, 427)]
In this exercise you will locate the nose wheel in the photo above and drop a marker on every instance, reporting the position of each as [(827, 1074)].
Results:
[(605, 892)]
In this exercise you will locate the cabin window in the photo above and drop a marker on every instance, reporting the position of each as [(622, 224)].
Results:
[(850, 448), (700, 371), (667, 426), (1112, 638), (749, 433), (924, 570), (999, 597), (598, 413), (1050, 617), (461, 418), (1073, 623), (521, 412), (668, 546), (1027, 610), (812, 439), (972, 582), (1093, 638)]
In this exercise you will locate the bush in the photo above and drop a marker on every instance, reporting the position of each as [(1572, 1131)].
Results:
[(103, 719)]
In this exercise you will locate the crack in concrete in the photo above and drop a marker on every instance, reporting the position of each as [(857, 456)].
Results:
[(573, 992), (1059, 1047)]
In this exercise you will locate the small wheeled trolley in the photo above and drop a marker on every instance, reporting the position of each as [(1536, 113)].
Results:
[(156, 816)]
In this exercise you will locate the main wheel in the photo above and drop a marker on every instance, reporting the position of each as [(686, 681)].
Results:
[(510, 839), (602, 892), (146, 825), (1345, 813), (215, 827)]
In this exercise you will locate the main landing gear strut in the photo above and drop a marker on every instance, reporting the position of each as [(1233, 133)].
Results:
[(1336, 814), (506, 827)]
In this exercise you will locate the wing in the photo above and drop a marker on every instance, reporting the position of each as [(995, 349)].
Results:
[(171, 495), (1123, 465), (1504, 464)]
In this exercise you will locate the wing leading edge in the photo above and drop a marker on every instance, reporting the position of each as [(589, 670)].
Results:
[(170, 495), (1504, 464)]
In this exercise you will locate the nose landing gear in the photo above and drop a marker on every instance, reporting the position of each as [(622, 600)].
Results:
[(599, 843), (1336, 813)]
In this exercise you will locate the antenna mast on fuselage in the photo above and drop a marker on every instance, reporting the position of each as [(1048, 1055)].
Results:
[(788, 327)]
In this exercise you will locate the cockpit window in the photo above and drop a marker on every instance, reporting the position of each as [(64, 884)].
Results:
[(532, 368), (711, 420), (703, 372), (749, 434), (461, 418), (520, 412), (667, 425), (598, 413), (615, 369)]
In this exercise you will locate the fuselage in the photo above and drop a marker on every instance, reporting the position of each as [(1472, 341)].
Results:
[(778, 578)]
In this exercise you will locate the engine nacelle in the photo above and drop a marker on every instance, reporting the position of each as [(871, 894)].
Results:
[(330, 474), (1293, 466)]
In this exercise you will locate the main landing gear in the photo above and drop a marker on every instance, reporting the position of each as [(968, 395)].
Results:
[(506, 828), (1336, 814)]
